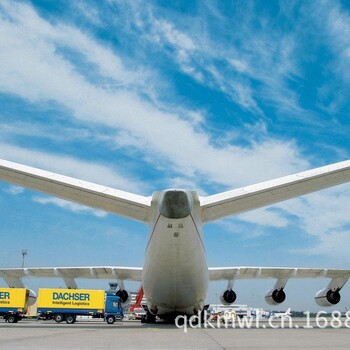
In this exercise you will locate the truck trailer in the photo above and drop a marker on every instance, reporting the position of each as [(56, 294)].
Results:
[(66, 304), (13, 303)]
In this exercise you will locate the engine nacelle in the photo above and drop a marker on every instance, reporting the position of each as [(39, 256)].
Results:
[(123, 295), (275, 296), (327, 297), (31, 298), (228, 297)]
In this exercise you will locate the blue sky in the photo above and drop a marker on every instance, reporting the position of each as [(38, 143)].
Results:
[(207, 95)]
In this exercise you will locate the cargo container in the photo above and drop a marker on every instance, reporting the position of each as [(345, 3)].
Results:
[(67, 304), (13, 303)]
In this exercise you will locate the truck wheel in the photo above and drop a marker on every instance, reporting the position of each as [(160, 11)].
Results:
[(12, 319), (110, 319), (70, 319), (58, 318)]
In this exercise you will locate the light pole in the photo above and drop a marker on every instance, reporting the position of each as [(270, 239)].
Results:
[(24, 253)]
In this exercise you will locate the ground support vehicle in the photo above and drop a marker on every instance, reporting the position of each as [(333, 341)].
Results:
[(13, 303), (66, 304)]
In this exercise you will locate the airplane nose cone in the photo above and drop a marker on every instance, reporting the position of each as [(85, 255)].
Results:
[(175, 204)]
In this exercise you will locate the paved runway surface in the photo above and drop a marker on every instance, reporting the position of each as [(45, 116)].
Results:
[(96, 334)]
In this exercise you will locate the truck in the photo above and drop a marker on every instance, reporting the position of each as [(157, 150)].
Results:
[(66, 304), (14, 303)]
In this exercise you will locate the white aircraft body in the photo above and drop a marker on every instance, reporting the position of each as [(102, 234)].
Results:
[(175, 275)]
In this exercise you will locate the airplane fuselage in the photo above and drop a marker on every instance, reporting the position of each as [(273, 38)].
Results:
[(175, 273)]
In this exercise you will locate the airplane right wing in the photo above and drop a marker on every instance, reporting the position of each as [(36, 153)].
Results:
[(244, 272), (325, 297), (265, 193), (96, 196)]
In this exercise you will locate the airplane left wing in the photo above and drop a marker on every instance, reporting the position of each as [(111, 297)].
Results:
[(13, 276)]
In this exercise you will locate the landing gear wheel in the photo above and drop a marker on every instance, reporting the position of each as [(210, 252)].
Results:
[(70, 319), (58, 318), (110, 319), (204, 314), (148, 318)]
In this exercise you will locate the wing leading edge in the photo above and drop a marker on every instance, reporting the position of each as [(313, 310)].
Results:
[(266, 193), (96, 196)]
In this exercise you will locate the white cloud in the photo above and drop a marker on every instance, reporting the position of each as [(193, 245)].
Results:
[(331, 20), (196, 60), (29, 26), (335, 22), (264, 217), (324, 216), (14, 190), (180, 40), (86, 9), (32, 68), (230, 55), (333, 244), (323, 211), (73, 207), (60, 133), (69, 166), (239, 65)]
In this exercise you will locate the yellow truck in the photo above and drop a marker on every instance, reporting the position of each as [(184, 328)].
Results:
[(66, 304), (13, 303)]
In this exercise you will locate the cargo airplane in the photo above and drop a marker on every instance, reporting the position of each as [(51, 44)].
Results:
[(175, 274), (287, 313)]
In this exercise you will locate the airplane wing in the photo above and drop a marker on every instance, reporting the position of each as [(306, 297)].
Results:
[(256, 196), (96, 196), (13, 276), (240, 273)]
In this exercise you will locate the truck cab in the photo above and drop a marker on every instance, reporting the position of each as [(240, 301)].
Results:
[(113, 308)]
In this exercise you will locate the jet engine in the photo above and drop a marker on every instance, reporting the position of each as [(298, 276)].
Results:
[(327, 297), (123, 295), (228, 297), (275, 296)]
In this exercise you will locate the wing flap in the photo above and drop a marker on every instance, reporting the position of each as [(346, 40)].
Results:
[(96, 196), (266, 193)]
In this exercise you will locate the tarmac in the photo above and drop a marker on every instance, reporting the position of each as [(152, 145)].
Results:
[(96, 334)]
